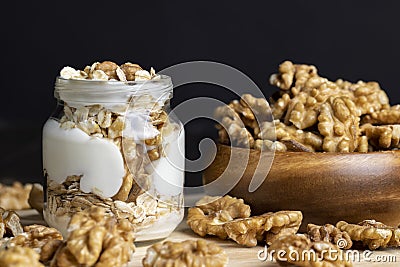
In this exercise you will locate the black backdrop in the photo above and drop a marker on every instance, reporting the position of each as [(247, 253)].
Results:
[(349, 39)]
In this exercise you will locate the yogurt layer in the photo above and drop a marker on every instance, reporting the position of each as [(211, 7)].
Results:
[(72, 152)]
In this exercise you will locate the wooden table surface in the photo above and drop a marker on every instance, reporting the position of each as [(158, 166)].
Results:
[(238, 256)]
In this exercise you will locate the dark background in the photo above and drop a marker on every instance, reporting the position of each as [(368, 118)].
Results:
[(348, 39)]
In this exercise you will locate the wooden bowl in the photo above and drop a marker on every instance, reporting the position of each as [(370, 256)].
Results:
[(326, 187)]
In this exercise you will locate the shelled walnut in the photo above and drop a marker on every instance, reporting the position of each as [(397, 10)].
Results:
[(15, 196), (233, 126), (372, 233), (301, 251), (19, 257), (96, 239), (281, 223), (209, 218), (382, 137), (187, 253), (268, 227), (36, 236), (339, 124), (318, 115), (383, 117), (11, 223), (246, 231), (292, 76), (328, 233)]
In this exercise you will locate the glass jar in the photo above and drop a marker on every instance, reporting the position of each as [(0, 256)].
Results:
[(115, 145)]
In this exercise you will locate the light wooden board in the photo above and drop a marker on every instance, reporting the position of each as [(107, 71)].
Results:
[(238, 256)]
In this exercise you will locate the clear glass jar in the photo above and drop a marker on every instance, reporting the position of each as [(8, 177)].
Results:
[(116, 145)]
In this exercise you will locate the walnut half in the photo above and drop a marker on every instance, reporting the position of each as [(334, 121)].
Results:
[(209, 218), (372, 233), (268, 227), (19, 257), (299, 250), (328, 233), (187, 253)]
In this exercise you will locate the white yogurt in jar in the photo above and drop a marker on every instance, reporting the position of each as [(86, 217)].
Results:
[(72, 152)]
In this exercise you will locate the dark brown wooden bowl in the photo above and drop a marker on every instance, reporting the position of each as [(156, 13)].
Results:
[(326, 187)]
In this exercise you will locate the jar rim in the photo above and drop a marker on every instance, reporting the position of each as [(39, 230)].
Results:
[(110, 91), (160, 83)]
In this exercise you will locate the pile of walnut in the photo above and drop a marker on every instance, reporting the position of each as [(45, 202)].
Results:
[(109, 71), (311, 113), (229, 217), (95, 239)]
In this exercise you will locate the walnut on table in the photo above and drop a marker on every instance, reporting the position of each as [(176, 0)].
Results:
[(372, 233), (209, 218), (36, 236), (282, 223), (328, 233), (299, 250), (19, 257), (12, 224), (269, 226), (15, 197), (49, 249), (96, 239), (187, 253)]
